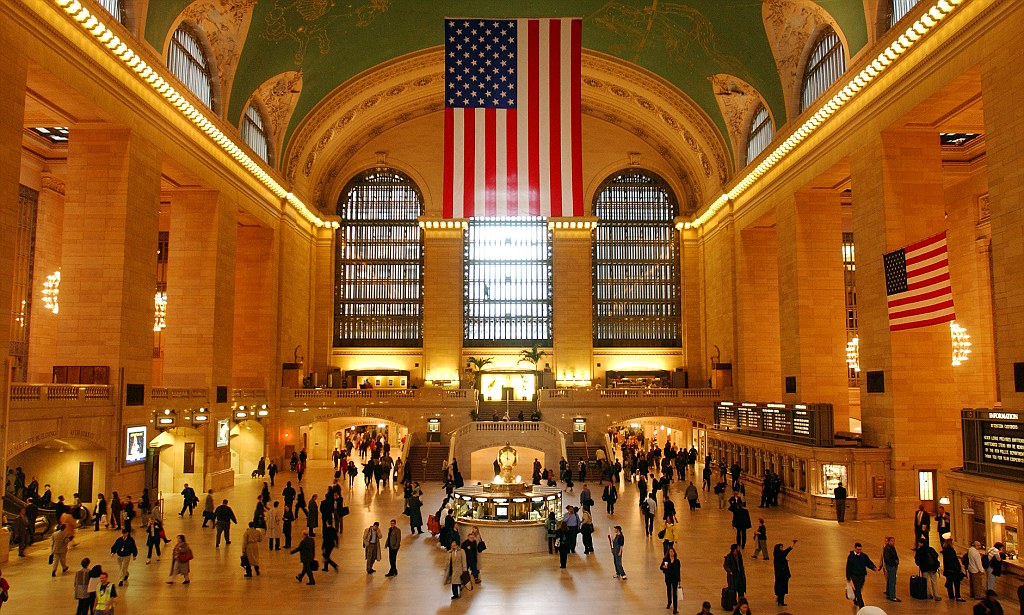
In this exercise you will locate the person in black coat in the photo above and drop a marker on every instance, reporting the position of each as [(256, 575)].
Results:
[(563, 541), (735, 574), (952, 571), (857, 565), (307, 555), (670, 567), (741, 521), (782, 575)]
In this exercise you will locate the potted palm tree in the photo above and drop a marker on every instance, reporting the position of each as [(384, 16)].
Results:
[(478, 363), (533, 355)]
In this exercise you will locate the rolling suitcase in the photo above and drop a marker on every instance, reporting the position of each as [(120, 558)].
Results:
[(433, 525), (918, 587), (728, 599)]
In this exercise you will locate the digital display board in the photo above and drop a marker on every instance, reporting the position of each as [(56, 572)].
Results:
[(809, 424), (135, 444), (994, 443)]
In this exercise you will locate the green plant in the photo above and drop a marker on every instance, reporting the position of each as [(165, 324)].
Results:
[(533, 355), (478, 363)]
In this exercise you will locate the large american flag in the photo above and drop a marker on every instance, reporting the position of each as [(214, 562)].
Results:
[(917, 284), (512, 118)]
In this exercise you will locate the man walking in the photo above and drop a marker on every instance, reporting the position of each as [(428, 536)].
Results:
[(223, 517), (927, 560), (891, 563), (189, 500), (126, 550), (857, 565), (371, 546), (394, 543), (59, 550), (922, 525), (208, 508), (307, 555)]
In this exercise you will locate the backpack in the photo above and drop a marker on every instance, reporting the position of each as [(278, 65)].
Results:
[(719, 488), (966, 561), (984, 560), (645, 507)]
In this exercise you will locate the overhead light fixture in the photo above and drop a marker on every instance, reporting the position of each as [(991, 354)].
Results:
[(998, 518), (944, 501)]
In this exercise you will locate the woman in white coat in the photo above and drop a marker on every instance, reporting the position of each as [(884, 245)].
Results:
[(273, 520)]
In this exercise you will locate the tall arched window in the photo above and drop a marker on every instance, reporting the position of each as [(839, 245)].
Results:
[(379, 262), (761, 133), (898, 9), (115, 8), (636, 263), (826, 63), (188, 62), (254, 132)]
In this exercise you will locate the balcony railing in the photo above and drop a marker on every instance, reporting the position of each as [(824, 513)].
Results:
[(179, 393), (387, 396), (600, 394), (246, 393), (60, 392)]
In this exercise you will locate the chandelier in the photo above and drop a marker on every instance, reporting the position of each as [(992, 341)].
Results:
[(51, 291), (853, 354), (160, 312), (961, 343)]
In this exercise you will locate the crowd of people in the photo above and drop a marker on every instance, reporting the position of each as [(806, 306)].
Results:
[(276, 518)]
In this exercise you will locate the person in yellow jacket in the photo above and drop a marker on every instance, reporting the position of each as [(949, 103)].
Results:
[(668, 535)]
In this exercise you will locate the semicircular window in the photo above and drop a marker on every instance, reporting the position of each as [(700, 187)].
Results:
[(825, 64), (188, 62)]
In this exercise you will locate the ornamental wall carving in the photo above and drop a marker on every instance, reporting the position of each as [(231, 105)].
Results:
[(738, 101), (279, 95)]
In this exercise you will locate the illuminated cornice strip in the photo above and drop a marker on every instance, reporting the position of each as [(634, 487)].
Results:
[(939, 11), (91, 24)]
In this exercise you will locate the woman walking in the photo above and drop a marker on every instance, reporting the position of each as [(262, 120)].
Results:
[(551, 525), (82, 590), (312, 516), (780, 560), (182, 557), (455, 569), (952, 571), (154, 536), (616, 541), (670, 567)]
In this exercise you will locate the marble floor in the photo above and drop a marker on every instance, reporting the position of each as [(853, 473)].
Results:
[(510, 583)]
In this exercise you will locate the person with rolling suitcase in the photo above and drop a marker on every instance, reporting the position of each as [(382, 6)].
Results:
[(927, 560), (736, 577)]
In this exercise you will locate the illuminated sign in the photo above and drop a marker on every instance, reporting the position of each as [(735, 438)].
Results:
[(135, 444), (223, 432)]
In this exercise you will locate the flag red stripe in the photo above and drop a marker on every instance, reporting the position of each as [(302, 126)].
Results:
[(577, 140), (923, 256), (937, 307), (924, 242), (512, 160), (929, 282), (555, 112), (469, 162), (920, 297), (533, 71), (920, 271), (448, 204), (922, 323), (490, 162)]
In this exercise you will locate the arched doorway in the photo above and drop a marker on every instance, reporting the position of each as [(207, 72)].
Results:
[(248, 440), (178, 458), (69, 465)]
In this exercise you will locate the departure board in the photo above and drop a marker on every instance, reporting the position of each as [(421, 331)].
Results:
[(799, 423), (994, 443)]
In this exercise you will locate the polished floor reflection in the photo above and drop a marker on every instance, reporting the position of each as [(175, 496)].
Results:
[(525, 584)]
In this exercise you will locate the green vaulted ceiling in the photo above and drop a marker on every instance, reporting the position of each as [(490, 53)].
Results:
[(683, 41)]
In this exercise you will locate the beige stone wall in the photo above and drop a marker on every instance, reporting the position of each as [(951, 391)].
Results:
[(757, 371), (442, 303), (296, 256), (572, 302), (718, 248), (254, 309)]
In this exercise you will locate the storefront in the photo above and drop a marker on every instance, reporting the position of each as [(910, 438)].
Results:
[(986, 497)]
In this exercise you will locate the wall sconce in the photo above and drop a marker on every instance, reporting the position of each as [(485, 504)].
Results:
[(961, 343), (998, 518), (51, 292), (944, 501)]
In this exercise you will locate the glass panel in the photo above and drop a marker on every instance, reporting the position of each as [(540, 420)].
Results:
[(831, 476), (508, 282), (114, 7), (379, 262), (761, 133), (21, 291), (898, 9), (926, 485), (636, 264), (254, 133), (187, 61), (825, 64), (850, 286)]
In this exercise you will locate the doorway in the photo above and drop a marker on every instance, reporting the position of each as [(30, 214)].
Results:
[(85, 481)]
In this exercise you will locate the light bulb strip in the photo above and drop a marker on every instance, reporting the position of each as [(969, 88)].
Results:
[(928, 20), (119, 49)]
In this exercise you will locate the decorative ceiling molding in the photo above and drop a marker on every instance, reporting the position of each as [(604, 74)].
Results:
[(413, 85), (789, 25), (738, 101), (278, 95), (226, 25)]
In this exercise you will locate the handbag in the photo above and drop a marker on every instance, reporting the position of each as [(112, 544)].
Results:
[(587, 528), (465, 579), (661, 534), (344, 511), (481, 546), (244, 561), (185, 556), (850, 595)]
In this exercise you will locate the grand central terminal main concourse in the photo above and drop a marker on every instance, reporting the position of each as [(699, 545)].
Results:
[(577, 281)]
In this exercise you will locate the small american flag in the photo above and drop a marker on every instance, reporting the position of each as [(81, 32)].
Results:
[(512, 143), (917, 283)]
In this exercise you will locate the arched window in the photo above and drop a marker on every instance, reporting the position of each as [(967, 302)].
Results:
[(254, 132), (761, 133), (115, 8), (379, 262), (825, 64), (636, 263), (187, 61), (898, 9)]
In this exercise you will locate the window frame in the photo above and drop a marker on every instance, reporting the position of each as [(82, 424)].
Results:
[(815, 76), (177, 51), (258, 127), (755, 131), (896, 10)]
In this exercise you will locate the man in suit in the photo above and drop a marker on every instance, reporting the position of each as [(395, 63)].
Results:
[(922, 524), (840, 495), (371, 546), (393, 542)]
